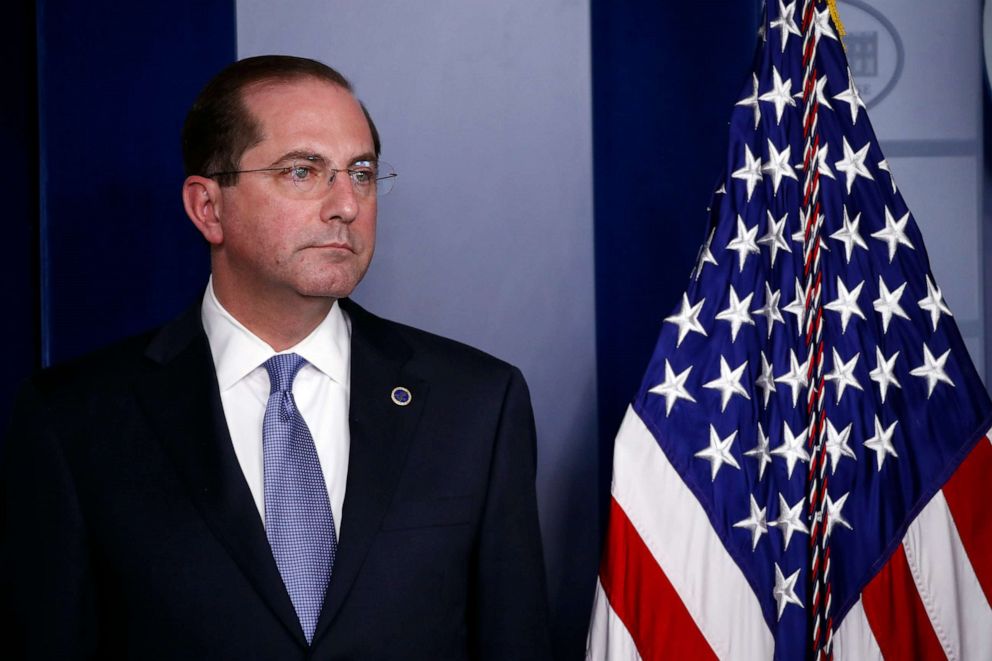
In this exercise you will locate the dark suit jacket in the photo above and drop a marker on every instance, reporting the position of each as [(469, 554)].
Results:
[(129, 530)]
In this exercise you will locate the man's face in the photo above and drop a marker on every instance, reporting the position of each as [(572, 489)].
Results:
[(276, 244)]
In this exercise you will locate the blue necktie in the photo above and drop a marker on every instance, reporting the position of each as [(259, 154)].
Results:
[(298, 519)]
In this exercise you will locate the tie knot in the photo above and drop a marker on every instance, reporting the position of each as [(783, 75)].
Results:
[(282, 369)]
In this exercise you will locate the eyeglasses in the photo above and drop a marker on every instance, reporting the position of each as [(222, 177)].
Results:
[(301, 179)]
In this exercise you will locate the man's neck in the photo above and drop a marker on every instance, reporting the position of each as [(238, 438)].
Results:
[(280, 322)]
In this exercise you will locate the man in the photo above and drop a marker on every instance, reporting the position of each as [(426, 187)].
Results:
[(278, 474)]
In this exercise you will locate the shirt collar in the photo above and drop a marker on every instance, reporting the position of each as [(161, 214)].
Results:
[(237, 351)]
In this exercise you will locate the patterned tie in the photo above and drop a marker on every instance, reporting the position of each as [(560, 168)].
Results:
[(298, 518)]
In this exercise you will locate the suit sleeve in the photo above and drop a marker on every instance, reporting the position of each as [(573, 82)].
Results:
[(510, 602), (47, 598)]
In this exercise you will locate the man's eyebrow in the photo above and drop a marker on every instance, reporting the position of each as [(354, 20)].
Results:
[(302, 155)]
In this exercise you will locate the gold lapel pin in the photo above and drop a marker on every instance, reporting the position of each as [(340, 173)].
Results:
[(401, 396)]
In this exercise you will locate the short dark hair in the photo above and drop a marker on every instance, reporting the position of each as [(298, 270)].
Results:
[(219, 128)]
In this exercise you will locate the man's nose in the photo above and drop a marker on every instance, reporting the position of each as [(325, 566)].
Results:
[(340, 202)]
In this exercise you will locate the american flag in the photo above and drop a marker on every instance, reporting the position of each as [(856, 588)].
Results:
[(805, 470)]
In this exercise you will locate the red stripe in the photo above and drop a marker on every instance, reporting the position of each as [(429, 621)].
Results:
[(896, 615), (642, 597), (967, 495)]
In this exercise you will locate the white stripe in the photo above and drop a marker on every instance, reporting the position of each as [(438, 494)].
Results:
[(608, 637), (854, 640), (678, 533), (948, 586)]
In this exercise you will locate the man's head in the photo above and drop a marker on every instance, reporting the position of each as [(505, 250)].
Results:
[(257, 131)]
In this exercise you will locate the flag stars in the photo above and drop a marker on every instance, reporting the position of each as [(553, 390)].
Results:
[(797, 377), (852, 97), (853, 164), (793, 448), (705, 256), (834, 515), (821, 98), (774, 238), (934, 303), (687, 319), (718, 452), (729, 382), (786, 22), (736, 313), (770, 310), (821, 156), (821, 25), (761, 452), (932, 370), (881, 442), (673, 387), (744, 243), (846, 303), (887, 304), (837, 445), (766, 380), (842, 374), (884, 372), (849, 235), (780, 94), (752, 102), (884, 165), (894, 233), (784, 591), (789, 519), (755, 522), (750, 173), (798, 305), (778, 166)]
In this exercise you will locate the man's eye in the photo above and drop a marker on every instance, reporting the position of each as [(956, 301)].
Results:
[(363, 176), (300, 172)]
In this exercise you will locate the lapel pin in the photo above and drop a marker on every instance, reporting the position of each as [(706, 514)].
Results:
[(401, 396)]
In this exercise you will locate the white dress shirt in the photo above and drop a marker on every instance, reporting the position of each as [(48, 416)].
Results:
[(321, 390)]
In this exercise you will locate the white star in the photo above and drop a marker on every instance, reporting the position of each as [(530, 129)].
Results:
[(793, 447), (821, 96), (883, 374), (887, 304), (784, 591), (786, 22), (673, 388), (884, 165), (770, 310), (756, 523), (705, 256), (736, 313), (778, 166), (752, 101), (821, 158), (766, 380), (843, 374), (798, 305), (722, 190), (774, 238), (853, 164), (797, 377), (760, 452), (780, 94), (821, 25), (834, 516), (718, 452), (687, 319), (934, 303), (894, 233), (744, 244), (837, 446), (932, 370), (852, 97), (729, 382), (881, 442), (789, 519), (751, 172), (846, 303), (849, 235)]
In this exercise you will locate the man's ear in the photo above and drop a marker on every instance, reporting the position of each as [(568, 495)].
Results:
[(201, 197)]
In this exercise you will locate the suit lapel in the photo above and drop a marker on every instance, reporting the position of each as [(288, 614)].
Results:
[(182, 401), (381, 431)]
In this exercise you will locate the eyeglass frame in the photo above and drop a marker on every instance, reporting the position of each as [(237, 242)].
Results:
[(330, 182)]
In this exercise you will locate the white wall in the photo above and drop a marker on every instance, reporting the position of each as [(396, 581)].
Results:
[(485, 111)]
